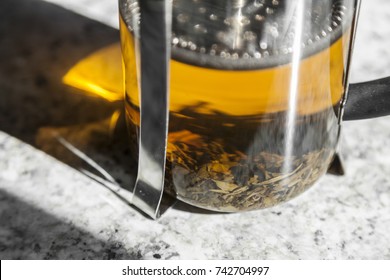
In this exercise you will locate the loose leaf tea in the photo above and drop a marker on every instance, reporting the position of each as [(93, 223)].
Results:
[(223, 174)]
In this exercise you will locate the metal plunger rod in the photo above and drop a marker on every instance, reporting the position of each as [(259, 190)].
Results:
[(155, 49)]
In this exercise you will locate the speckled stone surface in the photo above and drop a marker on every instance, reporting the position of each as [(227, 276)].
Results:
[(49, 210)]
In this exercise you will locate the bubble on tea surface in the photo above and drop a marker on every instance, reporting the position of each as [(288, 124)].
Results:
[(231, 31), (265, 27)]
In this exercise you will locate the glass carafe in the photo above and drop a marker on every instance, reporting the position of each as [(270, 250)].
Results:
[(256, 89)]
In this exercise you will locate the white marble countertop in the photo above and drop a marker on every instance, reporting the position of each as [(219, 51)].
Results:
[(49, 210)]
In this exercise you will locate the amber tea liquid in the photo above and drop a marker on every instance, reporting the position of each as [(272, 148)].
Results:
[(233, 142)]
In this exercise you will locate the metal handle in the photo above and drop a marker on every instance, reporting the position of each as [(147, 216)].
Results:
[(155, 50)]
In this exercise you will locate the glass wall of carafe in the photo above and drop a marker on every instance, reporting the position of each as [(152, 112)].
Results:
[(255, 94)]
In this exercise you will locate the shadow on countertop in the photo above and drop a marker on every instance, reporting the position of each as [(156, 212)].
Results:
[(40, 42)]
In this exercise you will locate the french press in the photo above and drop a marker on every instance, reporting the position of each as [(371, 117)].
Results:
[(235, 105)]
